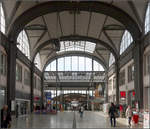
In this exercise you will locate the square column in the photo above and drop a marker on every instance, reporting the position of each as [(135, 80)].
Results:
[(32, 87), (42, 90), (11, 75), (138, 73), (106, 88), (117, 82)]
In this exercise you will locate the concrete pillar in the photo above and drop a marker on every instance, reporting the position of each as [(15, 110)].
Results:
[(42, 90), (87, 96), (32, 88), (106, 88), (117, 82), (138, 73), (56, 84), (11, 74)]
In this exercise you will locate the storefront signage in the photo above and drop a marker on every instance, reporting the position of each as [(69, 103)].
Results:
[(36, 98), (133, 93), (122, 94)]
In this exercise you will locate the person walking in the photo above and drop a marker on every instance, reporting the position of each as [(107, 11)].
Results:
[(5, 117), (129, 115), (81, 110), (17, 106), (112, 114)]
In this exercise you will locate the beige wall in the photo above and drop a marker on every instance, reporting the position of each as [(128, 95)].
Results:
[(36, 91), (20, 86), (146, 77), (128, 85), (146, 80)]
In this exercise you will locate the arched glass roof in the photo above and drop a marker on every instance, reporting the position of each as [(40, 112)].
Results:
[(126, 41), (147, 19), (77, 46), (111, 59), (37, 61), (74, 63), (23, 43), (2, 19)]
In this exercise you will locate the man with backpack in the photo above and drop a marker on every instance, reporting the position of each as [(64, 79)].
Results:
[(113, 114)]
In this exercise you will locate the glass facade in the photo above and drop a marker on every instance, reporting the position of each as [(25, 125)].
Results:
[(75, 63), (111, 59), (77, 46), (23, 43), (131, 73), (37, 61), (147, 19), (2, 19), (126, 41)]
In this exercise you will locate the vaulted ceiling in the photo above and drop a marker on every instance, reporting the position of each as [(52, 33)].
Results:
[(102, 22)]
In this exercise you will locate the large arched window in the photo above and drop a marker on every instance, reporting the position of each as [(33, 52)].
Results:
[(126, 41), (23, 43), (147, 19), (77, 46), (2, 19), (37, 61), (75, 63), (111, 59)]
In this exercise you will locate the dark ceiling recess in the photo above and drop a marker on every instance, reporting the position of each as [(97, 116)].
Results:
[(113, 27), (36, 27)]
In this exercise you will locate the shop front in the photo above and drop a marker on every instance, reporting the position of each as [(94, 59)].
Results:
[(2, 97), (37, 104), (131, 98), (123, 97), (22, 106)]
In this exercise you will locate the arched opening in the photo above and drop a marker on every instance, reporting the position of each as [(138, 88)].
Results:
[(147, 19), (37, 61), (74, 63), (2, 19), (125, 41), (84, 46), (111, 59), (23, 43)]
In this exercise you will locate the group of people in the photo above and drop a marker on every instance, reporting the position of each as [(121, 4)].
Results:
[(113, 114), (5, 117)]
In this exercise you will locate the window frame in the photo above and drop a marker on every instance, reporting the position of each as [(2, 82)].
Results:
[(126, 41)]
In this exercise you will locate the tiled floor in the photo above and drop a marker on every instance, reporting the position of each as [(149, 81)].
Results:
[(63, 120)]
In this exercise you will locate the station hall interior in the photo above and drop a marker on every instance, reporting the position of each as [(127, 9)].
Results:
[(56, 56)]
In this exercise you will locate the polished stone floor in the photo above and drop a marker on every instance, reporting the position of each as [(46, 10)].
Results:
[(63, 120)]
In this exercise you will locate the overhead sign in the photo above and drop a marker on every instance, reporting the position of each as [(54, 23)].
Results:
[(122, 94), (48, 95)]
